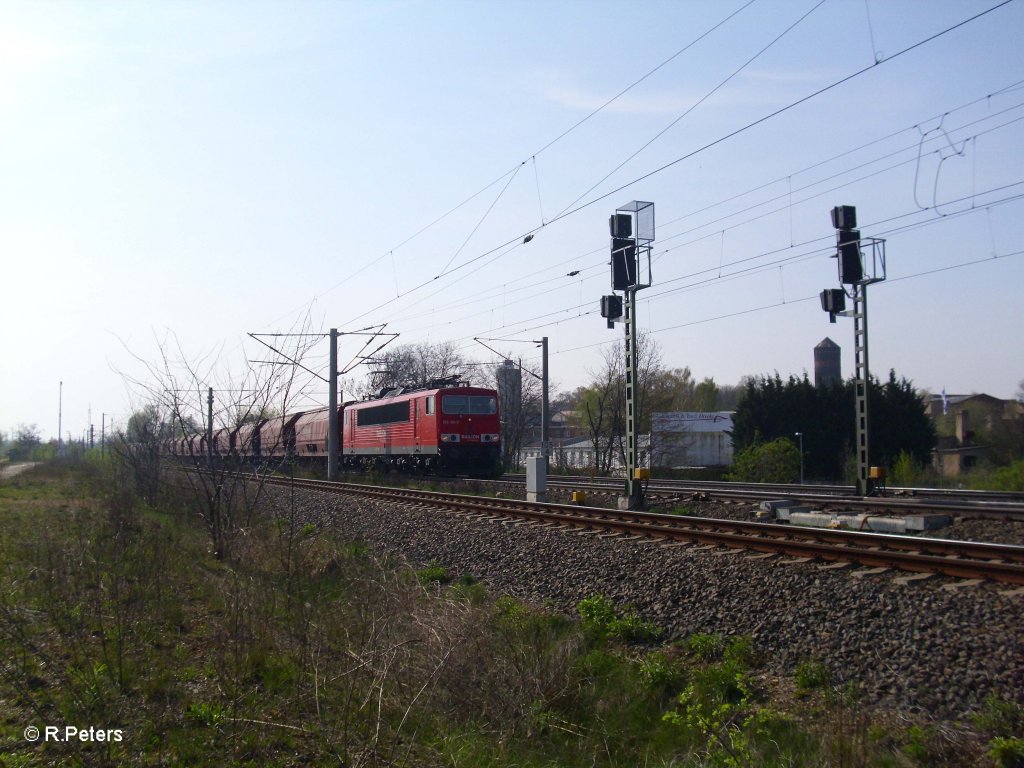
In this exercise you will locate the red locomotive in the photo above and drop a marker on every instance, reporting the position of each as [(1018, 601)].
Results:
[(448, 429), (441, 430)]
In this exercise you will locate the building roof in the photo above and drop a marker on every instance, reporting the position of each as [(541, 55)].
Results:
[(959, 399), (826, 343)]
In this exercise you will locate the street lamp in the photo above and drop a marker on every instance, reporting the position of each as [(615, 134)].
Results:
[(801, 436)]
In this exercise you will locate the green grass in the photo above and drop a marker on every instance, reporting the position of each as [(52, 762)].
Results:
[(303, 649), (433, 574), (603, 619), (706, 647), (681, 510), (810, 676)]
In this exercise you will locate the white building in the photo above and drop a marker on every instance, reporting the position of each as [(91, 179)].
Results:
[(578, 453), (691, 439)]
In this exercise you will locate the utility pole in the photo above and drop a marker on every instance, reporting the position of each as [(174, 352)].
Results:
[(545, 405), (801, 436), (103, 435), (545, 409), (60, 417), (332, 407), (209, 428)]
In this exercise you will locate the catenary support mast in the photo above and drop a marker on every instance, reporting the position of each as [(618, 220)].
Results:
[(333, 443)]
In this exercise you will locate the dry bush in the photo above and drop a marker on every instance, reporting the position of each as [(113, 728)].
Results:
[(510, 664)]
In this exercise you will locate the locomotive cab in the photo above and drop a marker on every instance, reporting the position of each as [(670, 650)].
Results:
[(447, 430), (468, 432)]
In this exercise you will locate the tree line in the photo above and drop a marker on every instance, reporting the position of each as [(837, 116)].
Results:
[(771, 409), (766, 407)]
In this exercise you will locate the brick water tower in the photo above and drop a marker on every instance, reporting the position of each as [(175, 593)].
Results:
[(827, 363)]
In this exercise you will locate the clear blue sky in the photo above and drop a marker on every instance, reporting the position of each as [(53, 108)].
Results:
[(218, 168)]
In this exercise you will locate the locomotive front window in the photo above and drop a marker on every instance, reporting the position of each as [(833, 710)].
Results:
[(483, 405), (455, 405)]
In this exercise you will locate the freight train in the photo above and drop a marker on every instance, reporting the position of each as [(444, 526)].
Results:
[(448, 428)]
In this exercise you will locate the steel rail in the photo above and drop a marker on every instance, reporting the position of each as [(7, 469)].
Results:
[(823, 496), (961, 559), (772, 489)]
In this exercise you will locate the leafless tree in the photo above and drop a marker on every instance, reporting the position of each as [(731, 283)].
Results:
[(175, 393), (26, 440), (603, 403), (137, 449), (416, 365), (603, 406), (519, 393)]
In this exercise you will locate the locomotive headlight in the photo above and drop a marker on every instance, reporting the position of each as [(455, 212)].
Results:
[(492, 438), (447, 438)]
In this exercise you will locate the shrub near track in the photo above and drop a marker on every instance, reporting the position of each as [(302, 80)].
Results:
[(307, 650)]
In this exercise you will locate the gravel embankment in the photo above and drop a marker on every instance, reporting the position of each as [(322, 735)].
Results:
[(964, 528), (930, 646)]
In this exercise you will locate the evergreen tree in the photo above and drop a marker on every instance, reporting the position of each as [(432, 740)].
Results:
[(771, 409)]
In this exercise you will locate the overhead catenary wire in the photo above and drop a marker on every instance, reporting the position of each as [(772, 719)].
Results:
[(844, 80), (504, 291), (777, 305), (986, 98), (515, 327), (720, 233), (696, 104), (780, 111), (788, 176), (483, 218), (873, 161), (715, 142), (875, 54), (650, 72), (515, 169), (751, 310)]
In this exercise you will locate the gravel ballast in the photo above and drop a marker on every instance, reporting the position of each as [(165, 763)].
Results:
[(934, 646)]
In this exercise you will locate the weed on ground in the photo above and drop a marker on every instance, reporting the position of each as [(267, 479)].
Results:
[(118, 622)]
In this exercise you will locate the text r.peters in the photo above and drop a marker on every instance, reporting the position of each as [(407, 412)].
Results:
[(90, 734)]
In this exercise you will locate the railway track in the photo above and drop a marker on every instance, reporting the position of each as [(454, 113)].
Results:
[(959, 559), (784, 488), (982, 504)]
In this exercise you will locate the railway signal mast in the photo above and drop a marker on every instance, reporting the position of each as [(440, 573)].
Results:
[(856, 273), (632, 232)]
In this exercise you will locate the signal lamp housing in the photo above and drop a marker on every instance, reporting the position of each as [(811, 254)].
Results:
[(851, 268), (611, 309), (844, 217), (833, 301), (620, 225), (623, 263)]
